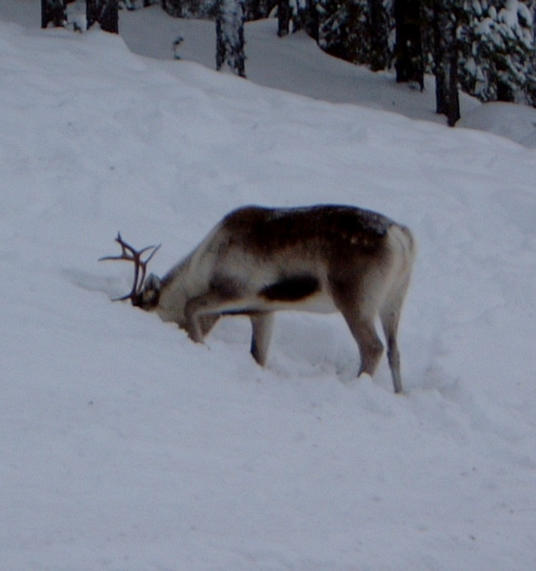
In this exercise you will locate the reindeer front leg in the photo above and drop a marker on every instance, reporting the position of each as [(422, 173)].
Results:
[(201, 313), (207, 323)]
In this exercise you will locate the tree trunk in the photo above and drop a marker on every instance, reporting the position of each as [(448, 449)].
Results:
[(311, 21), (409, 62), (103, 12), (453, 111), (446, 61), (230, 42), (379, 34), (53, 11), (283, 17), (439, 70), (173, 7)]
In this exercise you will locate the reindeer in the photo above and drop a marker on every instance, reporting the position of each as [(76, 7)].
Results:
[(257, 261)]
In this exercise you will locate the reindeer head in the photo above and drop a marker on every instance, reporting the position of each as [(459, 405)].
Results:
[(145, 293)]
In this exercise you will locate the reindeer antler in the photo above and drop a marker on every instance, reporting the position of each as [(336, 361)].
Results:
[(130, 254)]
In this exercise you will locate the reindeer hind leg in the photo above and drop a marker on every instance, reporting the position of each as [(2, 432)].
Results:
[(390, 318), (389, 321), (261, 333), (360, 319)]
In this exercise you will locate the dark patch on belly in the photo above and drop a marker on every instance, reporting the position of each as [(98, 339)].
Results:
[(291, 288)]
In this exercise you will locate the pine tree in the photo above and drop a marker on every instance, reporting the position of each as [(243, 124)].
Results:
[(530, 88), (173, 7), (497, 49), (257, 9), (230, 36), (53, 11), (189, 8), (356, 31), (308, 17), (103, 12)]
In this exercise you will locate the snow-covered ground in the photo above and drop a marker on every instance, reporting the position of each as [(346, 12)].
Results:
[(125, 446)]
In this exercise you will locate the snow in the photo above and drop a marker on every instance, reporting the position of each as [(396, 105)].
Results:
[(517, 122), (126, 446)]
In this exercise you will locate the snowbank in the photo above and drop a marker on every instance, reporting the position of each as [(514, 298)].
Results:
[(125, 446)]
